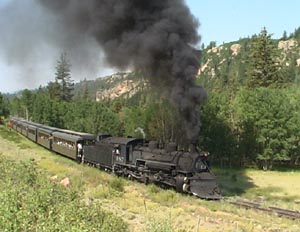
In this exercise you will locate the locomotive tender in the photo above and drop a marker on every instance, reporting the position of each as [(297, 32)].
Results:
[(129, 157)]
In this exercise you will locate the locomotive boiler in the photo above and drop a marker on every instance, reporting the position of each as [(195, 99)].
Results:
[(168, 167)]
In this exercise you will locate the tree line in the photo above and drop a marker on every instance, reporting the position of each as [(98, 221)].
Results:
[(246, 121), (252, 114)]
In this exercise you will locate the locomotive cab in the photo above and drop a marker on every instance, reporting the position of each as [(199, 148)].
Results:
[(123, 149)]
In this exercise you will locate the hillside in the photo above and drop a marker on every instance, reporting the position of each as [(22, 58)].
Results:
[(111, 87), (221, 67), (241, 125), (227, 65)]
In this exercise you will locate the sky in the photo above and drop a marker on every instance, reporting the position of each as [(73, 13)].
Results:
[(230, 20), (220, 21)]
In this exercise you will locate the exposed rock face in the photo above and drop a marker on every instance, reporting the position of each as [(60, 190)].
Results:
[(122, 86), (215, 49), (235, 48), (127, 87), (298, 62), (116, 77), (203, 67), (287, 44)]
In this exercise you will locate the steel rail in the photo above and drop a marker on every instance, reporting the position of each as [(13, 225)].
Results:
[(291, 214)]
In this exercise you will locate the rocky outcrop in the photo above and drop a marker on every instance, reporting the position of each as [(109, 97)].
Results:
[(203, 67), (287, 44), (121, 85), (215, 50), (235, 48), (116, 77)]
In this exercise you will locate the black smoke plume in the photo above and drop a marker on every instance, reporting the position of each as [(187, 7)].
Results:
[(154, 36)]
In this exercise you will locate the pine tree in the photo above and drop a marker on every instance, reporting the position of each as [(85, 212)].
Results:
[(297, 33), (85, 94), (212, 44), (27, 101), (54, 90), (4, 111), (284, 36), (264, 67), (63, 77)]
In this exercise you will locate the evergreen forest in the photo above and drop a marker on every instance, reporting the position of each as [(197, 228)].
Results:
[(251, 116)]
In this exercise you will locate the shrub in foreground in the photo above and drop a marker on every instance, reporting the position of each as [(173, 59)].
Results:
[(29, 201)]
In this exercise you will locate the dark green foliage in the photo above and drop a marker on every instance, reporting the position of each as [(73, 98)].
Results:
[(15, 107), (117, 184), (212, 44), (63, 78), (223, 69), (91, 117), (257, 126), (27, 100), (85, 95), (240, 126), (284, 36), (217, 133), (268, 112), (296, 34), (29, 201), (264, 66), (4, 106), (54, 90)]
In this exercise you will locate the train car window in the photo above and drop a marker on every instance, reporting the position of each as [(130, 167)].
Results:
[(89, 142), (31, 131), (43, 136), (64, 143), (123, 150)]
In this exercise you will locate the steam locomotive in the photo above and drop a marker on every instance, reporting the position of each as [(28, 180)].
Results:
[(133, 158)]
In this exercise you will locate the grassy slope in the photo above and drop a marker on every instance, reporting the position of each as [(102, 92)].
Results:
[(152, 209)]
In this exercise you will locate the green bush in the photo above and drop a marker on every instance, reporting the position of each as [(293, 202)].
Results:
[(167, 197), (29, 201), (117, 184)]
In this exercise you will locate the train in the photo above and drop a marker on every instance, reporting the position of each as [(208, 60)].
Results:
[(137, 159)]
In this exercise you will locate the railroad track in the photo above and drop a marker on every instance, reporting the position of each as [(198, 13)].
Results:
[(291, 214)]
